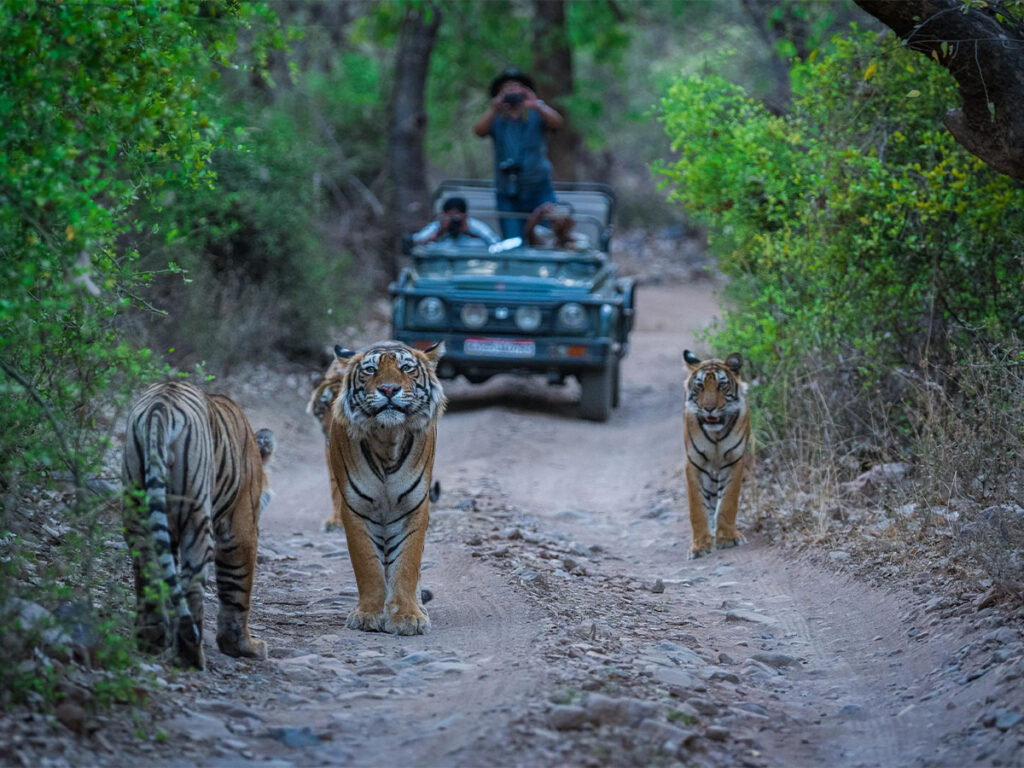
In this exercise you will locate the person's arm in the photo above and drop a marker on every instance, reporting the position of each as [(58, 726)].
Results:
[(483, 125), (428, 233), (532, 221), (479, 229), (552, 120)]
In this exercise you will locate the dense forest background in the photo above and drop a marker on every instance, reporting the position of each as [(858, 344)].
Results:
[(191, 186)]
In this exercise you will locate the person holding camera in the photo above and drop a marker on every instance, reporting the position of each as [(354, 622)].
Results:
[(518, 122), (455, 223)]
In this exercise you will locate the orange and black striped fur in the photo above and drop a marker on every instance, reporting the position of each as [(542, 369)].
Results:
[(195, 485), (320, 405), (383, 430), (716, 429)]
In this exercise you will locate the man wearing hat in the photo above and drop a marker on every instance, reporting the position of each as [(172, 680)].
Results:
[(517, 121)]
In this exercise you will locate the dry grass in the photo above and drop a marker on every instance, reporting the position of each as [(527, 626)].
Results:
[(954, 503)]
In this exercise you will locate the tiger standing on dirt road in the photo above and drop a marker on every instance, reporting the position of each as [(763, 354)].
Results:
[(382, 440), (195, 461), (716, 430)]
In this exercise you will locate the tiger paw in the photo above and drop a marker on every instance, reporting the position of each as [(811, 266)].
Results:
[(367, 621), (415, 622), (695, 553), (245, 647), (724, 542)]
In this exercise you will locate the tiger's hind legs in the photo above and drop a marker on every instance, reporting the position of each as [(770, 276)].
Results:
[(236, 571)]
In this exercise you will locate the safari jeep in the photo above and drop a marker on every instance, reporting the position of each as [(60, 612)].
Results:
[(514, 308)]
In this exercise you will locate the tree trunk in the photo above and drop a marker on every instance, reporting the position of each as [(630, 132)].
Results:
[(407, 125), (986, 56), (552, 70), (775, 23)]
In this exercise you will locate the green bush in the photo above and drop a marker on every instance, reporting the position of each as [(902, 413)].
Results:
[(100, 105)]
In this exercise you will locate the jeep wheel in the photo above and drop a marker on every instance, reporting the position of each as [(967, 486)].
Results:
[(597, 391), (616, 382)]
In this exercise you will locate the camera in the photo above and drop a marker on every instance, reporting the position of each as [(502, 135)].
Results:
[(509, 177), (455, 226), (514, 98)]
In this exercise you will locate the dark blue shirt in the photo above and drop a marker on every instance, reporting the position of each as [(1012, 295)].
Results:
[(522, 140)]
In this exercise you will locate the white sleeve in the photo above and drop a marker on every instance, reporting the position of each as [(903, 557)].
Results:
[(426, 233), (481, 230)]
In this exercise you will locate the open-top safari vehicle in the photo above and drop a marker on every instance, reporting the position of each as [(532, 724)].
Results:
[(511, 307)]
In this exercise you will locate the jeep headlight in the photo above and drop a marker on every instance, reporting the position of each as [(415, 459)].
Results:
[(474, 315), (528, 318), (430, 310), (573, 316)]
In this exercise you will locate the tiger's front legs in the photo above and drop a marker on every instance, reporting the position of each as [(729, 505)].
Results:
[(703, 542), (404, 614), (728, 535), (368, 614)]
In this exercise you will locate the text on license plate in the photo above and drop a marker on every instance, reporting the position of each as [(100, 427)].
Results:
[(500, 347)]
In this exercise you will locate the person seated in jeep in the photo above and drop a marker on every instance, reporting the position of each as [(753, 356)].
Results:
[(457, 225), (550, 225)]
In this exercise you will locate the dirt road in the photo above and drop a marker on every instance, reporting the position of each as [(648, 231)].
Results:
[(568, 626)]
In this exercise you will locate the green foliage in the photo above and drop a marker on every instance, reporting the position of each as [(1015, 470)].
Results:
[(102, 106), (855, 231)]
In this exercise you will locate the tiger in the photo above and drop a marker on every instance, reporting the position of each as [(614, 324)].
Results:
[(716, 431), (325, 391), (381, 442), (196, 483)]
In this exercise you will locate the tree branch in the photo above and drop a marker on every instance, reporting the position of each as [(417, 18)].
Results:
[(983, 48)]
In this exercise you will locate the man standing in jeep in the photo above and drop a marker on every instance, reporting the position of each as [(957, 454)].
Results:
[(517, 121)]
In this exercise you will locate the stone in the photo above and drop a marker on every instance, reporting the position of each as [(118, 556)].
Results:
[(197, 727), (678, 681), (294, 737), (703, 706), (775, 660), (603, 709), (567, 718), (668, 736), (1006, 719), (716, 732), (752, 708), (739, 614)]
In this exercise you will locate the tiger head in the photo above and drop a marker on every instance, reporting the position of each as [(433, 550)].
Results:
[(389, 386), (714, 390)]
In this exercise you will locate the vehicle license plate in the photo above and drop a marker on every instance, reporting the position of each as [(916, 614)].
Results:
[(500, 347)]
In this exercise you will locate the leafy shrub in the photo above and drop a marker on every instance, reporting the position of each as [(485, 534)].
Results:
[(100, 107)]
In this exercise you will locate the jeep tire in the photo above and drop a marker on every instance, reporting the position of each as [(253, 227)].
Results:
[(596, 393)]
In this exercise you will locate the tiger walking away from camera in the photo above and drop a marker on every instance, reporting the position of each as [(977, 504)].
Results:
[(195, 484), (381, 442), (716, 430)]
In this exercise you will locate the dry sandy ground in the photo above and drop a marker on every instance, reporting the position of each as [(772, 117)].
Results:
[(568, 626)]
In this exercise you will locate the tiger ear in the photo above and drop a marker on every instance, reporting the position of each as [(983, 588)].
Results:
[(342, 353), (435, 353), (735, 362), (691, 360)]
